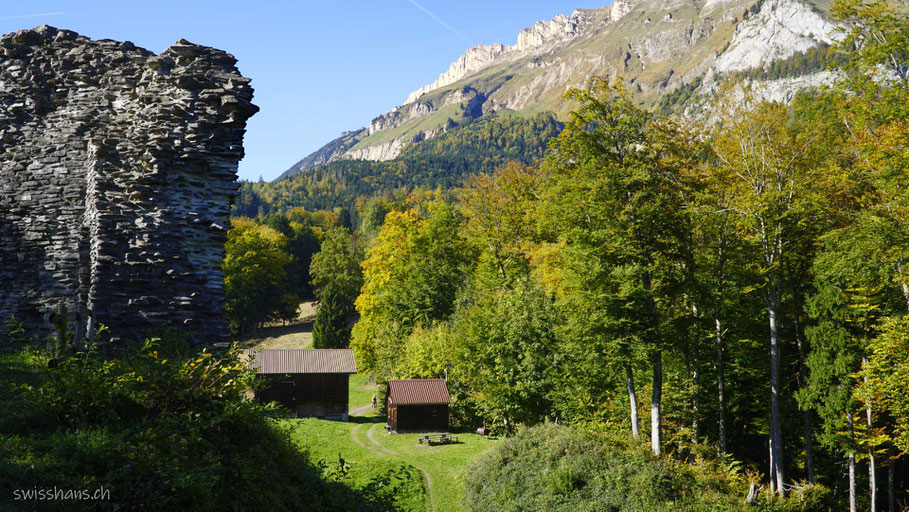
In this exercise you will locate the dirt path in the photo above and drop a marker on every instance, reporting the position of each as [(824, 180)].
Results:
[(389, 451), (360, 411), (356, 439), (377, 448)]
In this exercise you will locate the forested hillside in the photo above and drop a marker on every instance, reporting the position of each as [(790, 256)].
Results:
[(729, 284), (443, 161)]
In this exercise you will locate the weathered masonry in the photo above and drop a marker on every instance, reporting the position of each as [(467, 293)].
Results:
[(117, 169)]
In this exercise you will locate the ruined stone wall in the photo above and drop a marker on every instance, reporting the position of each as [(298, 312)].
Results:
[(117, 168)]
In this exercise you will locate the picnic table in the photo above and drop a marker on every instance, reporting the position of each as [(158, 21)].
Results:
[(429, 439)]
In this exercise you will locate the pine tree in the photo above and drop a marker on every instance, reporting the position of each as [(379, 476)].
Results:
[(330, 328)]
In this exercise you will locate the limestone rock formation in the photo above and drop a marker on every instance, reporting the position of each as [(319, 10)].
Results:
[(779, 29), (117, 169), (655, 46)]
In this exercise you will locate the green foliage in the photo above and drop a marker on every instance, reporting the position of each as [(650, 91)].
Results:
[(160, 429), (330, 327), (552, 467), (878, 36), (678, 98), (817, 58), (255, 274), (884, 378), (442, 161), (497, 354), (337, 266), (14, 331), (411, 277)]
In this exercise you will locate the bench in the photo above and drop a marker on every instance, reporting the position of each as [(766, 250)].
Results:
[(429, 439)]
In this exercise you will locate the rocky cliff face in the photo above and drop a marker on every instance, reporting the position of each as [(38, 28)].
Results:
[(654, 46), (117, 168), (780, 28), (532, 40)]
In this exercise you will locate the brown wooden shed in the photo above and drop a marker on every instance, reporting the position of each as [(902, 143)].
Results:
[(419, 405), (310, 382)]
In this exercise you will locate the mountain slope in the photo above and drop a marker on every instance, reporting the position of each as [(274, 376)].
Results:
[(655, 47), (478, 146)]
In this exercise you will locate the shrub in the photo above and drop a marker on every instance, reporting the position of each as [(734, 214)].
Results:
[(159, 431), (553, 467)]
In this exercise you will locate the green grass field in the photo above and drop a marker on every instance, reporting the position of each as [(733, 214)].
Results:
[(364, 444)]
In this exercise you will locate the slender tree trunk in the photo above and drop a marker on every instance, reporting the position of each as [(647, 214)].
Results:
[(656, 420), (721, 382), (891, 474), (852, 501), (803, 379), (776, 430), (695, 374), (872, 473), (872, 479), (632, 400), (656, 360), (772, 472)]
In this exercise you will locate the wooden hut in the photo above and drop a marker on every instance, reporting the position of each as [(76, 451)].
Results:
[(310, 382), (418, 405)]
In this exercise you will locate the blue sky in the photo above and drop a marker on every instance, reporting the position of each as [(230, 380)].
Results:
[(318, 68)]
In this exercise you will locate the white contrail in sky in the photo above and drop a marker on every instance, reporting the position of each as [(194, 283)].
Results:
[(433, 16), (30, 15)]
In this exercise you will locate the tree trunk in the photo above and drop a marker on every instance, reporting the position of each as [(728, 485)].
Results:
[(872, 479), (872, 474), (803, 379), (891, 494), (772, 472), (656, 359), (656, 420), (852, 501), (721, 382), (776, 430), (695, 374), (632, 400)]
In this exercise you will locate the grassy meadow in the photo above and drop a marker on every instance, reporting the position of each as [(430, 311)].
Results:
[(369, 450)]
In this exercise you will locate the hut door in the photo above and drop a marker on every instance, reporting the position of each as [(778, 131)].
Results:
[(287, 390)]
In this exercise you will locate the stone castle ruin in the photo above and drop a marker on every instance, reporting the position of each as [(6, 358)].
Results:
[(117, 169)]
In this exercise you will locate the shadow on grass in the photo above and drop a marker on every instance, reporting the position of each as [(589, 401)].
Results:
[(367, 419)]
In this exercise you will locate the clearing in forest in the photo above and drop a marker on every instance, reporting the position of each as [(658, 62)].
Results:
[(364, 444)]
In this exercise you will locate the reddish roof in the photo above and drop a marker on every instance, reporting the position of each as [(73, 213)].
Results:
[(418, 391), (303, 361)]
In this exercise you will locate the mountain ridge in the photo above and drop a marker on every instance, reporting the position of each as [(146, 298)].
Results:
[(655, 47)]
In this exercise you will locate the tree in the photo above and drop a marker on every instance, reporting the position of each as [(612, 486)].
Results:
[(330, 327), (500, 212), (413, 272), (337, 266), (617, 195), (767, 163), (254, 274)]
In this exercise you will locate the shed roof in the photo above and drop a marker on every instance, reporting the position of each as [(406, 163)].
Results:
[(418, 391), (340, 360)]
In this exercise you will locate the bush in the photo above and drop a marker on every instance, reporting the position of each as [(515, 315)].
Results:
[(159, 431), (555, 468), (552, 467)]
